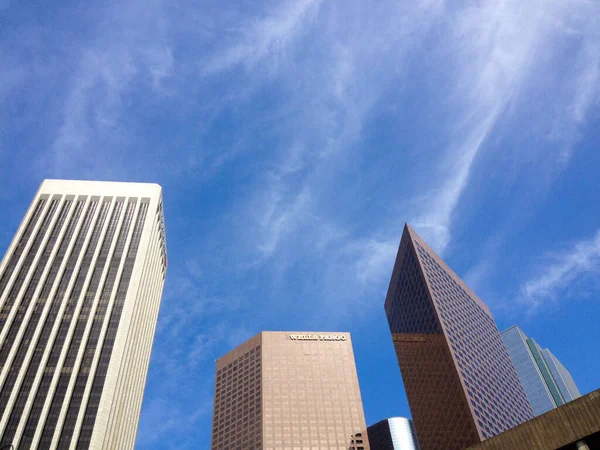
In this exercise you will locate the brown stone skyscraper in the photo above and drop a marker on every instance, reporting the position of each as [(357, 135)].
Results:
[(460, 382), (289, 391)]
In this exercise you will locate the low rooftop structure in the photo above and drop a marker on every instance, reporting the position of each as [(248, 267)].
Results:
[(573, 426)]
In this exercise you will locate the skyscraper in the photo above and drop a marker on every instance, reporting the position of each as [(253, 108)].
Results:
[(289, 391), (396, 433), (546, 381), (80, 288), (461, 385)]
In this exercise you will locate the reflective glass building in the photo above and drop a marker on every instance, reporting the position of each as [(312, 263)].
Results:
[(546, 381), (396, 433), (460, 382)]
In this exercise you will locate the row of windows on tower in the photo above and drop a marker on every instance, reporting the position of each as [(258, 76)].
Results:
[(416, 316), (15, 415), (470, 339), (237, 421)]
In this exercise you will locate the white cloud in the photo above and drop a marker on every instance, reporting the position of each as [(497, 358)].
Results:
[(329, 98), (301, 112), (493, 44), (281, 214), (434, 224), (196, 326), (160, 63), (563, 270), (490, 51), (266, 37), (588, 81), (375, 260), (129, 47), (499, 47)]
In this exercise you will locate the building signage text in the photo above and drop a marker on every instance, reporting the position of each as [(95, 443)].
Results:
[(317, 337), (408, 339)]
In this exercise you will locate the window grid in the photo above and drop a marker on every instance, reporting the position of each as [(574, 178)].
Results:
[(237, 419), (109, 339), (59, 340), (90, 349), (81, 324), (26, 265), (28, 380), (493, 388), (18, 251), (15, 366)]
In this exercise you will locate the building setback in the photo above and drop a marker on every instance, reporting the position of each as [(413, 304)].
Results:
[(287, 391), (561, 375), (396, 433), (80, 289), (546, 381), (460, 383)]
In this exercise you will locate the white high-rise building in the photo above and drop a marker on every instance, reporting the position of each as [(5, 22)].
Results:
[(80, 289)]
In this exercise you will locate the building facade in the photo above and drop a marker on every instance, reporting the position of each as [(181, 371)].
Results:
[(546, 381), (460, 382), (396, 433), (80, 289), (289, 391), (572, 426), (561, 375)]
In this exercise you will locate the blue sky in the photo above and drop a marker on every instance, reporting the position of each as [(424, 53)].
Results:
[(293, 139)]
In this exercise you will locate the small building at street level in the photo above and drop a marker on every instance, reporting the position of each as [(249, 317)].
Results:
[(461, 385), (395, 433), (288, 391), (572, 426)]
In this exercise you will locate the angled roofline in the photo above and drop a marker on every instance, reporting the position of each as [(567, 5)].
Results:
[(415, 237)]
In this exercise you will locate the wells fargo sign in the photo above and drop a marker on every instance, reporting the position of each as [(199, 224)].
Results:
[(318, 337), (408, 339)]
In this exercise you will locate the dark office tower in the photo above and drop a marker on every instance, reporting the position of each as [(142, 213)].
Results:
[(461, 385), (289, 391), (80, 288), (396, 433)]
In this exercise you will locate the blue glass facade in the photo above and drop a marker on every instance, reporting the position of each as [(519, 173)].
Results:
[(531, 378), (561, 375), (545, 380)]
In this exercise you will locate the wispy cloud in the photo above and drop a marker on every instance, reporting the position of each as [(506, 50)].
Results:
[(293, 140), (495, 49), (265, 38), (561, 273), (435, 222), (199, 323), (491, 54), (328, 99), (374, 260), (129, 52)]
